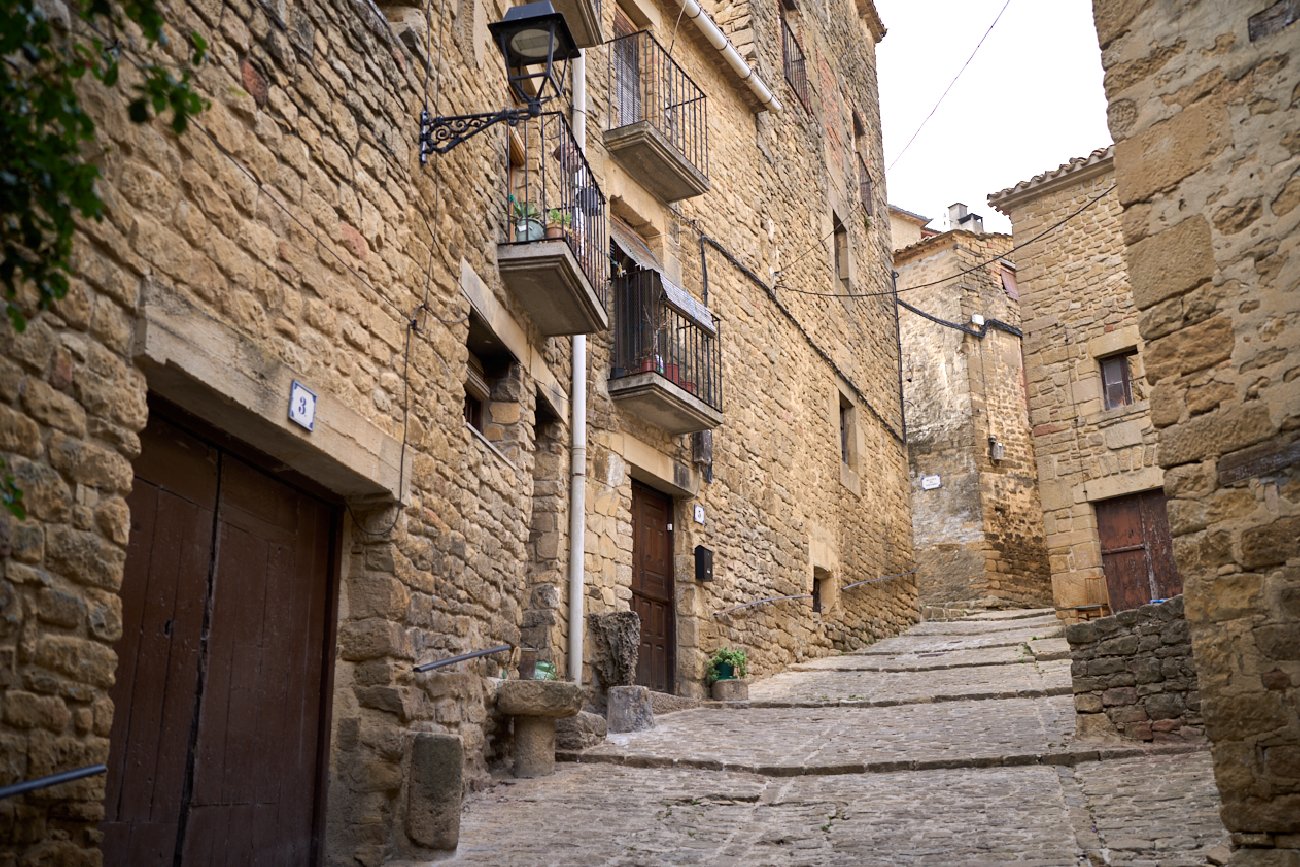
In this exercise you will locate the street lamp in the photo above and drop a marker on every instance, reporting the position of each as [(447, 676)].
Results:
[(531, 37)]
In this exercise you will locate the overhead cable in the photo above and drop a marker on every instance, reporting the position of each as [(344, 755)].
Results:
[(950, 84)]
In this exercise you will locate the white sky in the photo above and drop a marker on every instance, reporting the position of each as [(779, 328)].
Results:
[(1030, 100)]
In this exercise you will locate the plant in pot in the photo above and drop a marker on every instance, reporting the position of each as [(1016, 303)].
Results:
[(527, 220), (557, 223), (727, 664)]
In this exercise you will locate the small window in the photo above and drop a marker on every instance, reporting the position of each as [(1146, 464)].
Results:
[(821, 591), (841, 254), (1009, 281), (847, 431), (1117, 387), (476, 393)]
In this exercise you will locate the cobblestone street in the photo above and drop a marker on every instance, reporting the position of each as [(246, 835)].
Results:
[(950, 745)]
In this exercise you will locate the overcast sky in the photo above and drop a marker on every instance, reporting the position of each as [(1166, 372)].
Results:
[(1030, 100)]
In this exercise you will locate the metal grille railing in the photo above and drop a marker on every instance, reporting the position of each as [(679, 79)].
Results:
[(792, 60), (553, 193), (646, 84), (651, 336)]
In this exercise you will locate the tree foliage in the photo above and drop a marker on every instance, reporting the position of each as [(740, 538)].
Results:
[(44, 182)]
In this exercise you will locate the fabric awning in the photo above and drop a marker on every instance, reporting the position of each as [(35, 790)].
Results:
[(677, 297)]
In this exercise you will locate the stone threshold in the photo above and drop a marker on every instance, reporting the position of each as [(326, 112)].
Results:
[(1062, 758), (940, 667), (1002, 695)]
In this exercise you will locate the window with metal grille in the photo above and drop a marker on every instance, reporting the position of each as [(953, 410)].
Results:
[(1116, 386), (793, 62)]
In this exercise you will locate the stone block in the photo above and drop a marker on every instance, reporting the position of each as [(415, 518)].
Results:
[(616, 638), (732, 689), (580, 731), (1119, 696), (434, 791), (540, 698), (630, 709), (1094, 727)]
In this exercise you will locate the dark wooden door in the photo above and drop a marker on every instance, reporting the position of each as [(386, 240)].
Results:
[(1136, 550), (652, 587), (215, 756)]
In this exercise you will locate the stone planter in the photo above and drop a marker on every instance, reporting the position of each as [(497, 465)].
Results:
[(731, 689), (536, 705)]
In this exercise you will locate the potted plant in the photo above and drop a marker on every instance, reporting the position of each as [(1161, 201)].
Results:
[(727, 664), (557, 223), (528, 222)]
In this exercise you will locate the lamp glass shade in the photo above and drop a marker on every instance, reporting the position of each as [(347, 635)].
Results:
[(531, 45)]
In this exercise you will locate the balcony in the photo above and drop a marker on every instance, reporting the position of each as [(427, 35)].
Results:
[(667, 361), (792, 61), (554, 256), (583, 18), (657, 115)]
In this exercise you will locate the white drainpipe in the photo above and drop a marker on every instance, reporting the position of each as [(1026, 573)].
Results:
[(578, 444), (719, 40)]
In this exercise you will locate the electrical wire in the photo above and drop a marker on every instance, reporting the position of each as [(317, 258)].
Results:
[(959, 274), (950, 84)]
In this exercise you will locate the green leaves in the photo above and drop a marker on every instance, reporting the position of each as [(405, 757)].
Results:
[(44, 183), (11, 496)]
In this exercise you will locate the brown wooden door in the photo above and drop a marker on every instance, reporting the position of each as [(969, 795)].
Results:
[(652, 587), (1136, 550), (215, 755)]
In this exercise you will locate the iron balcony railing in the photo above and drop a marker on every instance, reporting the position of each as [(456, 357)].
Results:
[(660, 329), (645, 83), (792, 60), (553, 194)]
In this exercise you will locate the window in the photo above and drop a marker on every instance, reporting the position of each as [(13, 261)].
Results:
[(822, 591), (1009, 280), (1116, 386), (476, 393), (792, 60), (847, 433), (841, 254), (862, 146)]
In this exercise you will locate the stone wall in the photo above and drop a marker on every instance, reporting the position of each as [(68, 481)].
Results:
[(1077, 307), (1135, 676), (294, 235), (978, 536), (1203, 110)]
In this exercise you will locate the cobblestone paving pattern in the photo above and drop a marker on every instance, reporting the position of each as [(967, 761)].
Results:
[(840, 772)]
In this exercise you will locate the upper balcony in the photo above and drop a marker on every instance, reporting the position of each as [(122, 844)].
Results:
[(667, 361), (657, 119), (554, 254)]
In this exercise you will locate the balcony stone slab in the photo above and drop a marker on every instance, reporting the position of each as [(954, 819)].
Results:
[(583, 18), (548, 282), (663, 403), (654, 162)]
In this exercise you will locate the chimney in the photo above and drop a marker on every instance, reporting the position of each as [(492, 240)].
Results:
[(956, 213), (959, 217), (975, 223)]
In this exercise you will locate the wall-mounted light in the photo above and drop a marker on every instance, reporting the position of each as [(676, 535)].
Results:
[(532, 39), (996, 450)]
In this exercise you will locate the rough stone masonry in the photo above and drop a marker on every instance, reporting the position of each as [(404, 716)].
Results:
[(1203, 104)]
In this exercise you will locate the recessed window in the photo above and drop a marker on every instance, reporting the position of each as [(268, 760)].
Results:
[(1116, 383), (841, 254), (476, 393), (848, 432), (822, 592)]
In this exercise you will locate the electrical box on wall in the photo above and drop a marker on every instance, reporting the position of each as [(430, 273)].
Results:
[(996, 450), (703, 563)]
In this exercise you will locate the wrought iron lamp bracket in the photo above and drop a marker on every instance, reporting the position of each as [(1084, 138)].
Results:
[(441, 134)]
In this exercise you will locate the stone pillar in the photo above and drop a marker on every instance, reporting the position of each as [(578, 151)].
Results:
[(434, 793)]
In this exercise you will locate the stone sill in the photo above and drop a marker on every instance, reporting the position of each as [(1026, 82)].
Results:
[(1107, 417), (487, 442)]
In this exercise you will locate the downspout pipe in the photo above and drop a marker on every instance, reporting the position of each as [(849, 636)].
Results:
[(719, 41), (898, 342), (578, 441)]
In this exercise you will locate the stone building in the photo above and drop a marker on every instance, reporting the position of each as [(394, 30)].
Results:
[(907, 228), (306, 418), (1098, 472), (1203, 100), (975, 513)]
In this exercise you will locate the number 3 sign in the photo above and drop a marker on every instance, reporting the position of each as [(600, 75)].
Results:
[(302, 405)]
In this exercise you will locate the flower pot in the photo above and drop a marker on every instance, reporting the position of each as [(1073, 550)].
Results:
[(689, 386), (726, 671), (653, 364), (555, 232), (529, 230), (670, 371)]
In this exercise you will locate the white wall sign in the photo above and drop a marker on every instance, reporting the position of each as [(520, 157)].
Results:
[(699, 514), (929, 483), (302, 405)]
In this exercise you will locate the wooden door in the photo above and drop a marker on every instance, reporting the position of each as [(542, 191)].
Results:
[(215, 748), (1136, 550), (652, 587)]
